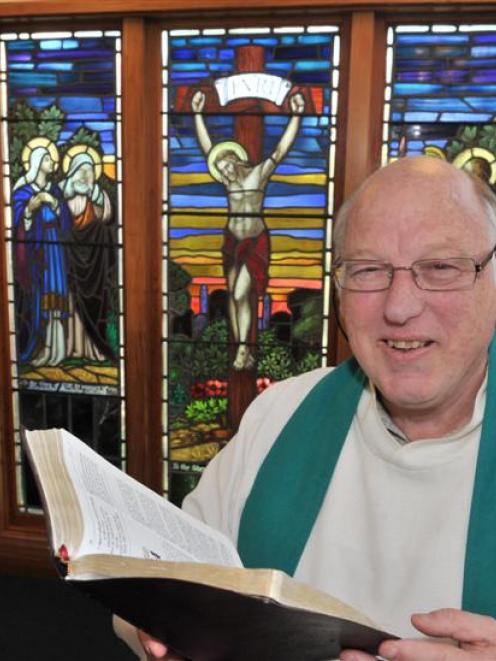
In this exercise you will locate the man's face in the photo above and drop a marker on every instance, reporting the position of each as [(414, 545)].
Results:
[(403, 217), (227, 168)]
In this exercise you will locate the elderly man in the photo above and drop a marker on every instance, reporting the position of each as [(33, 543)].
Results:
[(390, 461)]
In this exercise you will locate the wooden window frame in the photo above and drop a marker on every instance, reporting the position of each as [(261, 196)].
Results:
[(23, 543)]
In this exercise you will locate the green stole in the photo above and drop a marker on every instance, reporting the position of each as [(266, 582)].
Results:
[(292, 482)]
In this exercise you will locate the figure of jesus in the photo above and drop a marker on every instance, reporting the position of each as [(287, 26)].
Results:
[(246, 248)]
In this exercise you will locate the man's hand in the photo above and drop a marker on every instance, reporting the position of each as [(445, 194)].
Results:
[(198, 101), (475, 636), (155, 649), (297, 104)]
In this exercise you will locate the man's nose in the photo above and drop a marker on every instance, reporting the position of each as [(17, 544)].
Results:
[(404, 300)]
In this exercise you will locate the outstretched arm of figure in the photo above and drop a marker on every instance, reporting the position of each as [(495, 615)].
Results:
[(297, 105), (197, 105)]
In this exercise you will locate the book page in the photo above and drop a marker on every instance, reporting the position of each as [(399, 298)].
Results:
[(123, 517)]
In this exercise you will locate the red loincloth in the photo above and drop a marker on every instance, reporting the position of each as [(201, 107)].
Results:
[(254, 252)]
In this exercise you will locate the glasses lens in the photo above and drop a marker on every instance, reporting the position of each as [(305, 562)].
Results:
[(363, 275), (441, 274)]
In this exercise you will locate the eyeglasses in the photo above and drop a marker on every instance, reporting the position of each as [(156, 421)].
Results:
[(430, 274)]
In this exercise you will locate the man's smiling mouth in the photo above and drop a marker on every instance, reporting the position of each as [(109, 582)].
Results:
[(407, 345)]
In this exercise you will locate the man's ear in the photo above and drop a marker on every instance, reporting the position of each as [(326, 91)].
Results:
[(336, 299)]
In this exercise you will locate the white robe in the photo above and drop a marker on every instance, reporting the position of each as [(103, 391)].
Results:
[(390, 536)]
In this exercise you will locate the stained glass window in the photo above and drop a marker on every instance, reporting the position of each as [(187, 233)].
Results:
[(441, 94), (60, 113), (249, 126)]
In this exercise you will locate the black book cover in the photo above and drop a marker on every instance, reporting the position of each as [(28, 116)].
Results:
[(204, 623)]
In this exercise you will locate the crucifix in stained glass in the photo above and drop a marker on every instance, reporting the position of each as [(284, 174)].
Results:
[(250, 129), (240, 166)]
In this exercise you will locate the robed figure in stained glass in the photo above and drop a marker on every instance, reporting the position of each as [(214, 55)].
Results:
[(246, 248), (90, 253), (41, 220)]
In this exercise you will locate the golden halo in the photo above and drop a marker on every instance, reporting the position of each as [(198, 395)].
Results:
[(436, 152), (40, 142), (467, 155), (83, 149), (227, 145)]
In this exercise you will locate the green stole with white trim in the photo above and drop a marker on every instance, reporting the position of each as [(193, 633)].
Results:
[(292, 482)]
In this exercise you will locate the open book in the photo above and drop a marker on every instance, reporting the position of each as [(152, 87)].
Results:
[(173, 576)]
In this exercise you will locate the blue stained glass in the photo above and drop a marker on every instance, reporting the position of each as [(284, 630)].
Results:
[(448, 51), (183, 54), (108, 104), (51, 44), (81, 104), (265, 41), (396, 117), (416, 144), (108, 148), (437, 103), (408, 52), (40, 102), (77, 55), (107, 136), (276, 188), (307, 144), (320, 77), (68, 44), (198, 201), (219, 67), (464, 117), (21, 66), (20, 57), (295, 201), (288, 39), (408, 63), (283, 67), (483, 51), (24, 44), (226, 54), (100, 126), (416, 88), (189, 66), (487, 103), (206, 41), (420, 116), (287, 168), (36, 79), (176, 41), (452, 76), (485, 38), (55, 66), (299, 234), (186, 77), (432, 38), (180, 233), (462, 89), (312, 39), (469, 62), (297, 53), (311, 66), (208, 53), (485, 76), (237, 41), (419, 76)]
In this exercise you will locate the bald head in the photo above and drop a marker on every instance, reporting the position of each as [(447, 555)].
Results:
[(417, 181)]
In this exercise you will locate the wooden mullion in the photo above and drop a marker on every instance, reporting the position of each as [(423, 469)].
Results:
[(142, 248), (363, 129)]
